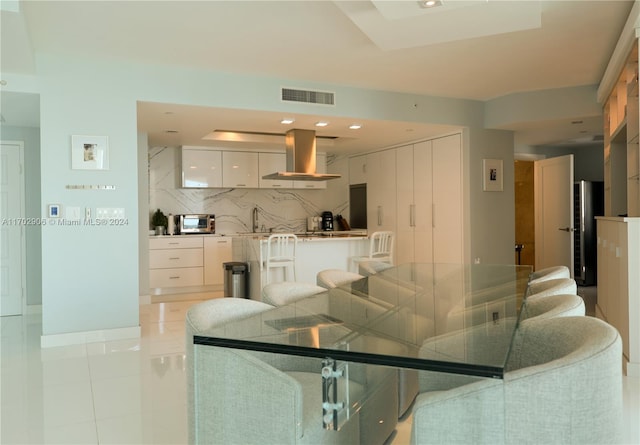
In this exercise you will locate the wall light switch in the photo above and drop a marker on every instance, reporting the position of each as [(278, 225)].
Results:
[(72, 213)]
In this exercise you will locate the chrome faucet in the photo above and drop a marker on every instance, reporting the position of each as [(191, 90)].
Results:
[(254, 219)]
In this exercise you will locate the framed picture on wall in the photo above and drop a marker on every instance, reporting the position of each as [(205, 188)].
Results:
[(492, 175), (89, 152)]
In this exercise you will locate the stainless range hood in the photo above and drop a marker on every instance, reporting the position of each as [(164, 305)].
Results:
[(301, 158)]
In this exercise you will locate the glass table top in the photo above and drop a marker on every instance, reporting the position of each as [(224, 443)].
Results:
[(439, 317)]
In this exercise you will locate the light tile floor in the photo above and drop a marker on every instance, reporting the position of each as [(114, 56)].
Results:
[(123, 392)]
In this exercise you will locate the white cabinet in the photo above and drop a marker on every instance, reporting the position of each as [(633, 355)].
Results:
[(618, 302), (201, 168), (175, 261), (358, 170), (414, 204), (447, 200), (321, 167), (204, 167), (272, 163), (217, 251), (240, 169), (381, 191), (188, 261)]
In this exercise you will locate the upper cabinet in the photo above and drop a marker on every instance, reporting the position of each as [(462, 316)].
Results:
[(621, 155), (204, 167), (240, 169), (358, 170), (271, 163), (201, 168)]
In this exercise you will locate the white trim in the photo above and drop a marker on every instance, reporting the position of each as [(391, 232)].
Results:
[(528, 157), (75, 338), (619, 55)]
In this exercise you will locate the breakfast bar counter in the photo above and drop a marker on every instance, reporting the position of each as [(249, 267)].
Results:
[(315, 252)]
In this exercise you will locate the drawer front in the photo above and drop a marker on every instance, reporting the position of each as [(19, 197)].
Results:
[(186, 276), (171, 258), (176, 242)]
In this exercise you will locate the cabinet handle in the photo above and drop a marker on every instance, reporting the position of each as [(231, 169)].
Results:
[(309, 186), (174, 244), (175, 278), (379, 215), (175, 258), (222, 242), (241, 185), (412, 215), (276, 185)]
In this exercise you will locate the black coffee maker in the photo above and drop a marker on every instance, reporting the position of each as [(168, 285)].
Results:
[(327, 221)]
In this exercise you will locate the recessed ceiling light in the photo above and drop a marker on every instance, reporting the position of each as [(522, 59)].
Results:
[(355, 126), (287, 121), (322, 124), (430, 3)]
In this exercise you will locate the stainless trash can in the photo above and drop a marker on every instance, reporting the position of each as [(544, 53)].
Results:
[(235, 279)]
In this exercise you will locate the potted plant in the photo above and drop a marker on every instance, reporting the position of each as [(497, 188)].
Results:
[(159, 221)]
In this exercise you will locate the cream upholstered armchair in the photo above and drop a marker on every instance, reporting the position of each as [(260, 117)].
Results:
[(284, 292), (550, 273), (242, 397), (563, 385), (330, 278), (245, 397), (554, 286), (536, 308)]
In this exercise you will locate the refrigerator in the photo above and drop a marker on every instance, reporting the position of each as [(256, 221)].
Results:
[(588, 203)]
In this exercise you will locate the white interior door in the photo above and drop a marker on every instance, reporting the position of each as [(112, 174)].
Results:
[(553, 197), (11, 229)]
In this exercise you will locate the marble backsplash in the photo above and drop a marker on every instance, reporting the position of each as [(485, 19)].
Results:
[(280, 210)]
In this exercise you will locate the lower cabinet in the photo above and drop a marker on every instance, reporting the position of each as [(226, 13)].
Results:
[(619, 283), (217, 251), (187, 261)]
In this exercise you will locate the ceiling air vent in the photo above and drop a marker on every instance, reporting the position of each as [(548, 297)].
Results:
[(309, 97)]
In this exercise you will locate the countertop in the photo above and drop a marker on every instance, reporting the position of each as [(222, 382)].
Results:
[(264, 235)]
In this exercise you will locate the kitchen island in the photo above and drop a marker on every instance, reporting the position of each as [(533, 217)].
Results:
[(315, 252)]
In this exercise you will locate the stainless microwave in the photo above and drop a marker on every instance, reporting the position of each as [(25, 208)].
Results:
[(197, 223)]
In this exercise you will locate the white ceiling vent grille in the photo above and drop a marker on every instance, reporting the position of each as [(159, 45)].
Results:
[(309, 97)]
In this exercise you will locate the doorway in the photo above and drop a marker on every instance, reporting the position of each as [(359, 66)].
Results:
[(525, 213), (12, 229)]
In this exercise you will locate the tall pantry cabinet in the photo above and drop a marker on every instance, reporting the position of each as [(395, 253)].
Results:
[(618, 232), (416, 192)]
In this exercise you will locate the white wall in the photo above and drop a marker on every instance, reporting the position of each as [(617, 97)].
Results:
[(94, 270), (491, 222)]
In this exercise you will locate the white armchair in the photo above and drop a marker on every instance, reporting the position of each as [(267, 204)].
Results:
[(554, 286), (537, 308), (550, 273), (241, 397), (563, 385)]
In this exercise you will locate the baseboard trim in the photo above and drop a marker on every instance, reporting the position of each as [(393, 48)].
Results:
[(76, 338), (631, 369)]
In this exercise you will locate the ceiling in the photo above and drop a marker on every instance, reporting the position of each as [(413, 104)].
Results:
[(478, 50)]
